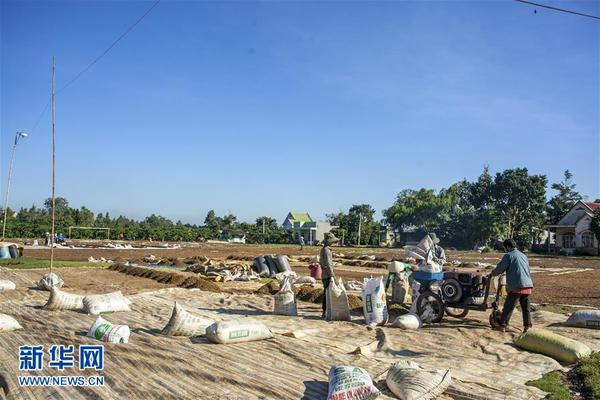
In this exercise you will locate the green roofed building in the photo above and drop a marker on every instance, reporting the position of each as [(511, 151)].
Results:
[(301, 224), (292, 217)]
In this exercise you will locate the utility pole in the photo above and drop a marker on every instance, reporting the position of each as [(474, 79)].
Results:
[(18, 135), (53, 162), (359, 225)]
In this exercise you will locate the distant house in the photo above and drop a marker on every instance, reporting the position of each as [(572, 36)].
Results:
[(301, 224), (573, 230), (387, 236), (234, 236), (292, 217)]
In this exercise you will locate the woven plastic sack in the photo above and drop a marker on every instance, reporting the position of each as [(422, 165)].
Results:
[(236, 331), (337, 308), (305, 280), (261, 267), (374, 301), (422, 251), (182, 323), (282, 263), (103, 330), (102, 303), (407, 321), (553, 345), (284, 300), (4, 253), (50, 280), (400, 289), (410, 381), (8, 323), (5, 284), (60, 300), (350, 383), (315, 270), (584, 319)]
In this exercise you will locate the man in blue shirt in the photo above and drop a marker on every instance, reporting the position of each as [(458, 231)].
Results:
[(518, 284)]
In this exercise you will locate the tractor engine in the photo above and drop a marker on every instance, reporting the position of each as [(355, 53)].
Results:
[(463, 288)]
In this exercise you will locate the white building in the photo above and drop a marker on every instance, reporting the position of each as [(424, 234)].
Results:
[(573, 230)]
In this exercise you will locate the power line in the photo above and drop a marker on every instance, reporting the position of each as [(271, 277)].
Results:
[(558, 9), (91, 64)]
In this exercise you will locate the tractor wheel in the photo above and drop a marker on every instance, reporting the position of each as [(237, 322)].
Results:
[(457, 312), (430, 307), (452, 291)]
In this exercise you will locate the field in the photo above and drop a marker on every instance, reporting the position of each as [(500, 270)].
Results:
[(292, 365), (557, 280)]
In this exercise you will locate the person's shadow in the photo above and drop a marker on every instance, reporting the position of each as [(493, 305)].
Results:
[(314, 390)]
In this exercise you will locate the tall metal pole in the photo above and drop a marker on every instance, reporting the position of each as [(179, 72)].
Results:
[(359, 226), (53, 162), (12, 159)]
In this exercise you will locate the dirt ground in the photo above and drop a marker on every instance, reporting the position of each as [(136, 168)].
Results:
[(483, 363), (557, 280)]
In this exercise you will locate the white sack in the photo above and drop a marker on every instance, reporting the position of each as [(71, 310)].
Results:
[(236, 331), (409, 381), (337, 302), (374, 301), (285, 300), (350, 383), (416, 290), (102, 303), (396, 267), (400, 289), (50, 280), (407, 321), (182, 323), (282, 275), (103, 330), (584, 319), (8, 323), (60, 300), (305, 280), (5, 284)]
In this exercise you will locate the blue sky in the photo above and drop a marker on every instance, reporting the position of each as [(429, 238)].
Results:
[(258, 108)]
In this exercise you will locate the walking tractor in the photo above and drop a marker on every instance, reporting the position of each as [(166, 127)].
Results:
[(456, 293)]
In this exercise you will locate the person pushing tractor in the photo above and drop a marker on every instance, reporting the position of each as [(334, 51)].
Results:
[(518, 284)]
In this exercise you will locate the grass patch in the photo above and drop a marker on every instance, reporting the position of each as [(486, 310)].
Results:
[(588, 371), (31, 263), (556, 309), (555, 384)]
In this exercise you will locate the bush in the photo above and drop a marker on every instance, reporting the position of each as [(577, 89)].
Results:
[(562, 252), (589, 372), (553, 383), (487, 249)]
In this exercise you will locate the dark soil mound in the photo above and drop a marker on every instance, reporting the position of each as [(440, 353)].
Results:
[(168, 277), (270, 288)]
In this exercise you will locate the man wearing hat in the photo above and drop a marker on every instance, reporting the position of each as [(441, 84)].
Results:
[(438, 252), (326, 259)]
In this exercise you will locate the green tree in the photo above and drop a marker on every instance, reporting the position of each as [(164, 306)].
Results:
[(359, 215), (229, 221), (213, 223), (519, 200), (469, 213), (563, 201), (415, 209)]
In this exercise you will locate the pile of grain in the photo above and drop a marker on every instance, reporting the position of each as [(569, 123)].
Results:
[(168, 277), (308, 293)]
